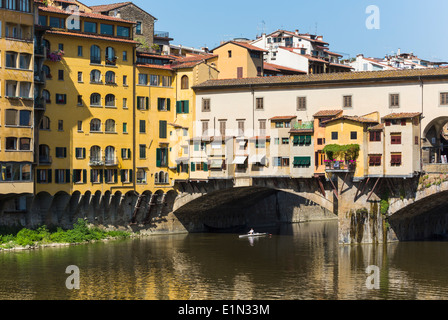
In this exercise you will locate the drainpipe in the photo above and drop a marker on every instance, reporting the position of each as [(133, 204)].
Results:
[(253, 109), (420, 140), (134, 92)]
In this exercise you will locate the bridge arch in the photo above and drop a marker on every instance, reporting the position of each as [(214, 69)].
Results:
[(435, 144)]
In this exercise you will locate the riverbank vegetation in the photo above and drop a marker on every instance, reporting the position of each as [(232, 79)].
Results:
[(80, 233)]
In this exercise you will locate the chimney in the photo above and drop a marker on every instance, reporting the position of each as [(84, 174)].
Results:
[(297, 31), (398, 52)]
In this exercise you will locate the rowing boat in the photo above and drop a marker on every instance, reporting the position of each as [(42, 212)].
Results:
[(253, 235)]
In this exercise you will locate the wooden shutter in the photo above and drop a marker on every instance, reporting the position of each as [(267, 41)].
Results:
[(187, 106), (178, 106), (67, 176), (168, 104), (158, 157), (84, 176)]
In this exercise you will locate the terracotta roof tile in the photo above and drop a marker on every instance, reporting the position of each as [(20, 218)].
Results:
[(242, 44), (292, 131), (360, 76), (327, 113), (91, 36), (279, 118), (278, 68), (155, 66), (109, 7), (377, 127), (402, 115), (352, 118), (83, 14)]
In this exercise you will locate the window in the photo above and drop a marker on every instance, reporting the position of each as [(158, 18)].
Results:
[(44, 123), (142, 151), (285, 140), (61, 98), (11, 143), (205, 105), (61, 176), (11, 88), (162, 129), (347, 101), (79, 102), (110, 77), (111, 59), (89, 27), (47, 71), (110, 126), (95, 76), (444, 98), (204, 128), (46, 96), (184, 82), (334, 136), (162, 157), (60, 125), (138, 27), (395, 138), (142, 126), (61, 46), (107, 29), (301, 103), (80, 125), (143, 103), (126, 153), (110, 156), (95, 99), (141, 175), (60, 74), (79, 176), (394, 100), (125, 56), (375, 136), (262, 127), (320, 141), (241, 128), (56, 22), (259, 104), (25, 118), (182, 106), (61, 152), (166, 81), (25, 144), (79, 51), (80, 76), (11, 59), (44, 154), (125, 127), (125, 103), (123, 32), (95, 54), (143, 79), (95, 125), (374, 160), (395, 159), (125, 80), (353, 135), (110, 175), (25, 61), (110, 100), (154, 80), (95, 154), (11, 117), (163, 104), (222, 128)]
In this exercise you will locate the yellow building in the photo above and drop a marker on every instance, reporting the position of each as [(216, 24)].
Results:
[(239, 60), (344, 131), (16, 100), (86, 134)]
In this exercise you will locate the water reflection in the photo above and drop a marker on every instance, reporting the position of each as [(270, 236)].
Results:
[(301, 261)]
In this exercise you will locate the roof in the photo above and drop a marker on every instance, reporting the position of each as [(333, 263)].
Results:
[(84, 14), (377, 127), (91, 36), (241, 44), (402, 115), (327, 113), (326, 78), (278, 68), (298, 35), (155, 66), (352, 118), (293, 131), (113, 6), (191, 61), (280, 118)]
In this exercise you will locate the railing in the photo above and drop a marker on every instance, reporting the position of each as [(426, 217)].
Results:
[(40, 104), (111, 161), (340, 165), (96, 161), (161, 34)]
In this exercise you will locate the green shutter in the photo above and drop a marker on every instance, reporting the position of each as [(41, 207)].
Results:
[(115, 175), (162, 129), (101, 175), (123, 178), (129, 153), (49, 172), (138, 103), (178, 106), (308, 139), (147, 103), (67, 176), (158, 157), (205, 166), (84, 176), (38, 175), (193, 167), (91, 175), (178, 168), (159, 104), (168, 104), (187, 106), (130, 175), (83, 153)]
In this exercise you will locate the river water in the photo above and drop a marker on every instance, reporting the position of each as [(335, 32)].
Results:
[(298, 261)]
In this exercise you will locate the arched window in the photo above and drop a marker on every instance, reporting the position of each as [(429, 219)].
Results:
[(47, 45), (110, 125), (95, 99), (156, 177), (110, 155), (95, 125), (44, 153), (110, 77), (47, 71), (111, 59), (95, 54), (184, 82), (46, 95), (95, 154), (95, 76), (110, 100), (44, 123)]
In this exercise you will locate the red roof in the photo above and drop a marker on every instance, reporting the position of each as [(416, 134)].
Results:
[(155, 66), (278, 68), (91, 36), (109, 7), (83, 14), (191, 61), (402, 115), (327, 113), (242, 44)]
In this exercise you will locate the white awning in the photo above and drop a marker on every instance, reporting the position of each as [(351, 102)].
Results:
[(239, 160), (257, 158), (181, 160), (216, 164)]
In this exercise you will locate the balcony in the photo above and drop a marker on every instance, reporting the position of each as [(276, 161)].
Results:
[(96, 162), (45, 160), (40, 104), (161, 34), (340, 166), (111, 161)]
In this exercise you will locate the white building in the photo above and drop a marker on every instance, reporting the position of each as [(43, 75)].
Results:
[(306, 52)]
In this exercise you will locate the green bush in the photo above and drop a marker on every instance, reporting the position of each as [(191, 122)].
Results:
[(343, 152)]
